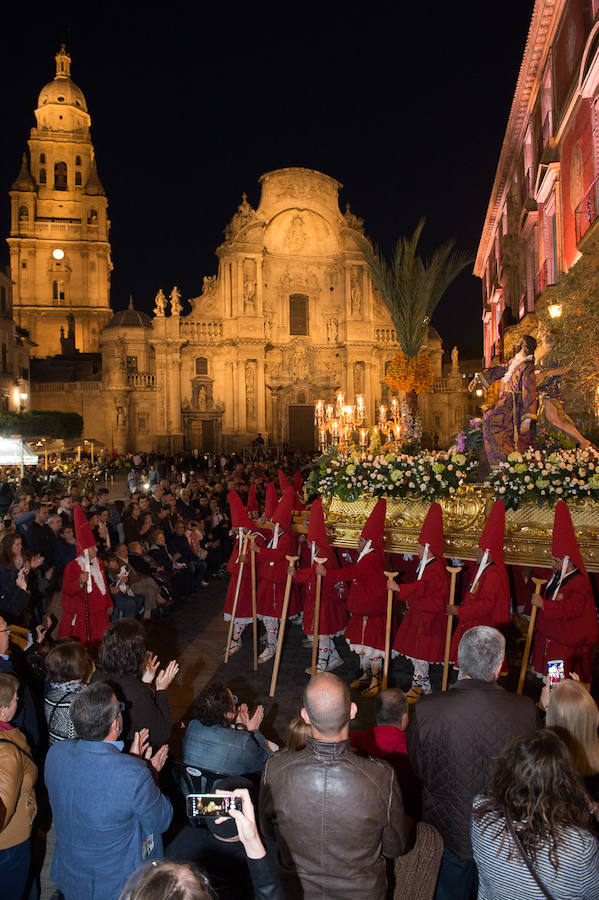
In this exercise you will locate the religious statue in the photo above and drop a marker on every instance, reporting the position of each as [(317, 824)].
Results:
[(160, 301), (508, 426), (121, 416), (331, 330), (455, 359), (176, 306), (249, 295), (356, 298), (202, 398)]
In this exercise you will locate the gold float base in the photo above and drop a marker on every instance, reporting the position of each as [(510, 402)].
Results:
[(528, 529)]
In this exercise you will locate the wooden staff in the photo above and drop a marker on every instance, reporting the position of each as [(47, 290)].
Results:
[(538, 582), (236, 598), (453, 571), (390, 576), (252, 538), (275, 672), (316, 623)]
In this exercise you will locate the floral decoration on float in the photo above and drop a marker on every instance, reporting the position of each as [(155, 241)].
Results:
[(546, 476)]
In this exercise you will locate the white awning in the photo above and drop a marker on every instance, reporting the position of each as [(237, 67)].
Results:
[(14, 452)]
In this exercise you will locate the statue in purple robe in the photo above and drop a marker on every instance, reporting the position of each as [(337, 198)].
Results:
[(510, 425)]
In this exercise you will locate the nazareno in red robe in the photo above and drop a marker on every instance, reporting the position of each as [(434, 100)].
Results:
[(489, 605), (366, 600), (333, 614), (272, 577), (421, 634), (243, 613), (566, 628), (72, 623)]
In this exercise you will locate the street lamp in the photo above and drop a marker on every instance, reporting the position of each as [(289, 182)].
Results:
[(555, 310), (23, 397)]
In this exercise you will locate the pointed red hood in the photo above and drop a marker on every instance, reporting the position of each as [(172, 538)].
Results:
[(283, 482), (431, 532), (270, 503), (252, 499), (375, 524), (239, 516), (493, 533), (83, 533), (284, 510), (317, 531), (564, 537)]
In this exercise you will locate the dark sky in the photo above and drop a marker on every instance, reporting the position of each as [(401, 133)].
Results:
[(404, 103)]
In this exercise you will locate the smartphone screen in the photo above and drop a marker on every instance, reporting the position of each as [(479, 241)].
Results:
[(555, 671), (211, 805)]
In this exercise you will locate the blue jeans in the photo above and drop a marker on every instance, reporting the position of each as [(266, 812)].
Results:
[(14, 870), (456, 878)]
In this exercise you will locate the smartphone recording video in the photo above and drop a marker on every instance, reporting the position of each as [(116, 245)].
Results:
[(211, 805), (555, 672)]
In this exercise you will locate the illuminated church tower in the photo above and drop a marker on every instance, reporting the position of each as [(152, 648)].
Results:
[(59, 248)]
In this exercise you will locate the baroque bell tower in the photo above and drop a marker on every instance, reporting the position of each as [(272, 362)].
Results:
[(59, 249)]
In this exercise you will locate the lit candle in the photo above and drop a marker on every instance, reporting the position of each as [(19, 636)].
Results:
[(383, 414), (329, 411), (362, 437)]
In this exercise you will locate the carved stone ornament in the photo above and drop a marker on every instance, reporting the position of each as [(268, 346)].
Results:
[(160, 304), (244, 215), (352, 220)]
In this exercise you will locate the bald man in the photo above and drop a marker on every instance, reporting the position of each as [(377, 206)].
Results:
[(334, 815)]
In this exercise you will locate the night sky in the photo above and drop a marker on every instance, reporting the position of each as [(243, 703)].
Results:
[(405, 104)]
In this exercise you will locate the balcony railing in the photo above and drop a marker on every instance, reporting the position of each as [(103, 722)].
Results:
[(204, 330), (545, 276), (587, 210), (386, 335), (141, 379)]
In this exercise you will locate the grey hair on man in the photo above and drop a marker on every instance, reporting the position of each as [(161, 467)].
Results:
[(93, 711), (481, 652)]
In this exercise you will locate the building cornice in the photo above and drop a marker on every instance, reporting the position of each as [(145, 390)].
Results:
[(545, 19)]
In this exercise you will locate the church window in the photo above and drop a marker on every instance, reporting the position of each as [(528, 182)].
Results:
[(77, 160), (92, 217), (60, 176), (132, 364), (24, 265), (42, 176), (42, 159), (57, 290), (4, 358), (60, 99), (78, 178), (298, 314), (23, 214), (2, 299), (142, 422), (201, 365)]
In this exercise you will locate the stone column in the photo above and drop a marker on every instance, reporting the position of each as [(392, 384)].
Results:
[(259, 309), (230, 396), (261, 397), (347, 291)]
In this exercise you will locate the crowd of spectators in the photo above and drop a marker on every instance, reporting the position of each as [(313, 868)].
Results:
[(473, 788)]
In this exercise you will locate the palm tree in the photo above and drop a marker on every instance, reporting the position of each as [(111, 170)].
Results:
[(412, 288)]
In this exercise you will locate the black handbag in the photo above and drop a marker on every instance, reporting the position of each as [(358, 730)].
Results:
[(524, 855)]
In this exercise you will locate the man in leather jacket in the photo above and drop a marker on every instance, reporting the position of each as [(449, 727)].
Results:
[(333, 814)]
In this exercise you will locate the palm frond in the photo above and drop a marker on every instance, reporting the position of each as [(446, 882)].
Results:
[(412, 288)]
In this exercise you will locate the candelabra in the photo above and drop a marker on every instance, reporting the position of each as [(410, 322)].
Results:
[(336, 423), (389, 423)]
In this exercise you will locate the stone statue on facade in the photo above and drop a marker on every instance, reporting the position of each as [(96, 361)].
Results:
[(455, 360), (356, 299), (332, 330), (121, 416), (202, 399), (176, 306), (249, 295), (160, 304)]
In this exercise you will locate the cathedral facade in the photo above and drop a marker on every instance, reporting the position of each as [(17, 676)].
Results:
[(290, 317)]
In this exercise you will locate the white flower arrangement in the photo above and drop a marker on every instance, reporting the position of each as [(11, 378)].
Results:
[(428, 474), (544, 477)]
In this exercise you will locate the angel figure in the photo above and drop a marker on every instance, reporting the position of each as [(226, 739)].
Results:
[(552, 413)]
